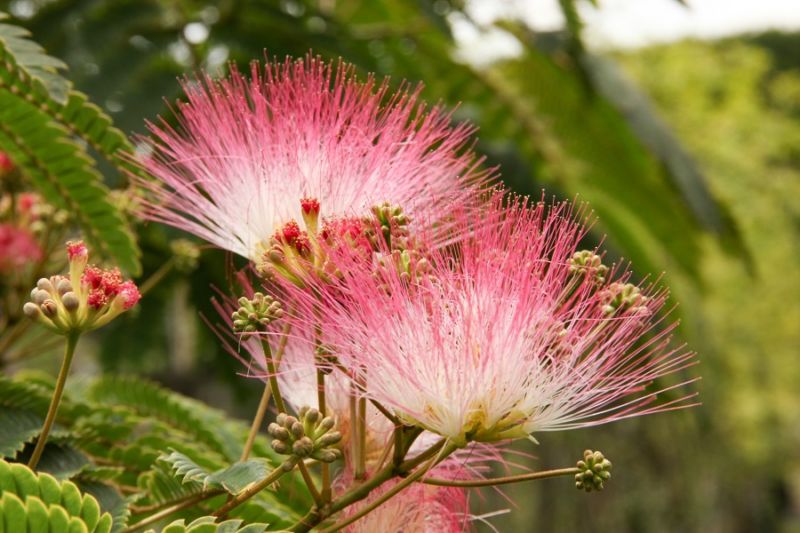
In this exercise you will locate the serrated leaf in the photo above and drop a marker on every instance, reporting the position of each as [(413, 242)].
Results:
[(32, 59), (238, 476), (65, 176), (185, 469), (17, 427), (207, 524)]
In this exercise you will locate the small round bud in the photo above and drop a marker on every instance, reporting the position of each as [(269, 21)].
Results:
[(303, 447), (39, 296), (281, 419), (312, 416), (327, 456), (278, 432), (297, 430), (44, 285), (70, 301), (49, 308), (329, 439), (595, 469), (64, 286), (280, 447), (31, 310), (327, 423)]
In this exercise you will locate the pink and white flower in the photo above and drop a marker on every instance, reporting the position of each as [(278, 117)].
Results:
[(511, 331), (248, 151)]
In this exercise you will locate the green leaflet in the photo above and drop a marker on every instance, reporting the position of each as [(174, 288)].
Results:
[(31, 502), (206, 524), (39, 113)]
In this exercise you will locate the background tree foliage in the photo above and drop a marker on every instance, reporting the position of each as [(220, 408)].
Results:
[(698, 181)]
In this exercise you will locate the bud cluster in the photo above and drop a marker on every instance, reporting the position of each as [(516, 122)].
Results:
[(623, 297), (595, 469), (391, 224), (88, 298), (588, 263), (310, 436), (185, 253), (292, 251), (256, 313)]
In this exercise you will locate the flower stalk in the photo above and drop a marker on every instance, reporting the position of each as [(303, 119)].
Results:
[(66, 363)]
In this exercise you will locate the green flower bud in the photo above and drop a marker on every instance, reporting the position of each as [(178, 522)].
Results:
[(327, 423), (303, 447), (297, 430), (586, 262), (280, 447), (328, 439), (595, 469), (256, 314)]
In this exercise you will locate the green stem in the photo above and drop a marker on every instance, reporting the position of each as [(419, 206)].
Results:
[(312, 488), (157, 276), (185, 504), (69, 352), (317, 514), (469, 483), (392, 492), (273, 378), (254, 489), (324, 467), (361, 459), (258, 419)]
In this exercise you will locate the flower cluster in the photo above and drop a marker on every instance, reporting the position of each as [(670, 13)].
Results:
[(247, 151), (503, 337), (420, 311), (87, 299)]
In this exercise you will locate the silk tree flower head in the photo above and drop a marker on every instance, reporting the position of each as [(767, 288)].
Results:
[(18, 249), (511, 331), (417, 508), (248, 153)]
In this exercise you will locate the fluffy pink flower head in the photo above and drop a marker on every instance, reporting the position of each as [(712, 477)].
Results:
[(6, 164), (511, 331), (18, 248), (248, 152), (419, 508)]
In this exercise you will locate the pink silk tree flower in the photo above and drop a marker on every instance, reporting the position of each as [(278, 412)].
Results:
[(248, 153), (418, 508), (511, 330), (18, 249)]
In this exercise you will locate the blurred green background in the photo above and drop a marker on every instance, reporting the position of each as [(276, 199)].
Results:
[(689, 154)]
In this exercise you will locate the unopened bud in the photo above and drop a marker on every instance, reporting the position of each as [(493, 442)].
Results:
[(280, 447), (327, 423), (44, 285), (70, 301), (329, 439), (312, 416), (39, 296), (64, 286), (278, 432), (31, 310), (327, 456), (289, 421), (49, 308), (595, 469), (303, 447), (297, 430)]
